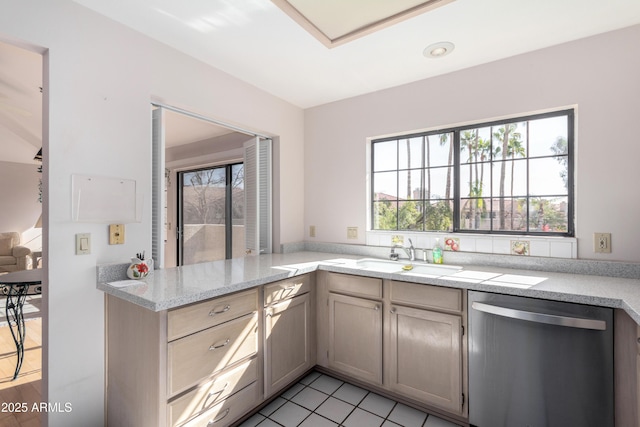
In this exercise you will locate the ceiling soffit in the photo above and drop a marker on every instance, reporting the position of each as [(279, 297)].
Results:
[(335, 22)]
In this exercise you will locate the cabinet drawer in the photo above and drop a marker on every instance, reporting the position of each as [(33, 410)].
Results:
[(229, 410), (213, 392), (427, 296), (196, 357), (368, 287), (286, 289), (203, 315)]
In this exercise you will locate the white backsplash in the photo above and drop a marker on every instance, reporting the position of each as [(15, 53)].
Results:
[(547, 247)]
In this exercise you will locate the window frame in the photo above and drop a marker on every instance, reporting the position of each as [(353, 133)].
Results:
[(456, 132)]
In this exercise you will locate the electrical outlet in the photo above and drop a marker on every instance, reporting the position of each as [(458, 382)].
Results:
[(352, 232), (602, 243), (312, 231)]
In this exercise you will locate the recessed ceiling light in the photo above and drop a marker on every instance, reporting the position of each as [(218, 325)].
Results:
[(438, 50)]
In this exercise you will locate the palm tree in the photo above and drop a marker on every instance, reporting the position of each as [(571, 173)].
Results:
[(504, 134), (409, 171), (444, 138), (559, 148), (468, 141), (516, 148)]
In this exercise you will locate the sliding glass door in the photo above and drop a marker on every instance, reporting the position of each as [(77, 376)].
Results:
[(211, 223)]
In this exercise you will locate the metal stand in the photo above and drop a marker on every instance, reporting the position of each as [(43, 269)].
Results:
[(16, 296)]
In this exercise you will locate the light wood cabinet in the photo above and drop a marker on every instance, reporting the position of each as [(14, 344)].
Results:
[(355, 337), (405, 338), (425, 362), (426, 351), (288, 348), (192, 366)]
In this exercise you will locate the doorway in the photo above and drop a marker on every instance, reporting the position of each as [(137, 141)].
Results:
[(21, 190), (210, 214)]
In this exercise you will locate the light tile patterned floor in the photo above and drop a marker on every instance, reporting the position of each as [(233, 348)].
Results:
[(319, 400)]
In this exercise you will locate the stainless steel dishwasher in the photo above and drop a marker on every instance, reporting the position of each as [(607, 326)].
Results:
[(539, 363)]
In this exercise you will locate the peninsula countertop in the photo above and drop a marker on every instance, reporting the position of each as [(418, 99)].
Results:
[(169, 288)]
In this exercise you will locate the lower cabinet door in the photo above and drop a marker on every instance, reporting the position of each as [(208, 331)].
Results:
[(229, 410), (287, 338), (355, 337), (425, 359)]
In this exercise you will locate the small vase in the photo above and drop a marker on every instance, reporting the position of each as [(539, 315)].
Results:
[(139, 268)]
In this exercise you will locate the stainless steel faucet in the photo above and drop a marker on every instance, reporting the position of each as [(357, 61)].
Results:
[(410, 251)]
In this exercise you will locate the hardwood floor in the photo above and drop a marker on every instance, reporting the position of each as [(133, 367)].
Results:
[(25, 390)]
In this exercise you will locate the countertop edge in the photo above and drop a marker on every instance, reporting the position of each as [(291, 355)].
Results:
[(618, 293)]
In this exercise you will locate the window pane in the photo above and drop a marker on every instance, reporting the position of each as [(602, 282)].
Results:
[(548, 176), (475, 145), (475, 214), (410, 184), (509, 141), (510, 214), (515, 178), (438, 151), (548, 136), (385, 186), (438, 183), (549, 214), (410, 153), (385, 156), (410, 215), (237, 209), (385, 215), (438, 215), (474, 180)]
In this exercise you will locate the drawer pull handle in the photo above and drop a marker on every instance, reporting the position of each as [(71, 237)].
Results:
[(213, 393), (393, 310), (224, 310), (290, 288), (376, 308), (212, 422), (215, 347)]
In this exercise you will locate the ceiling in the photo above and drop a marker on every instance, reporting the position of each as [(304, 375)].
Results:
[(256, 41)]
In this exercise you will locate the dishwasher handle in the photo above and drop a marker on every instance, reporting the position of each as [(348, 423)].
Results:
[(549, 319)]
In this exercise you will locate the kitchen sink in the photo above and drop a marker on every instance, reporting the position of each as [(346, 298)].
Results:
[(406, 267)]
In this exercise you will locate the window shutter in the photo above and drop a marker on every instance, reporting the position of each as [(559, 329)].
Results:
[(257, 160), (158, 188)]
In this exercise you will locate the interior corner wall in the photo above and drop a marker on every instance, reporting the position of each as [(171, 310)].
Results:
[(102, 78), (598, 75)]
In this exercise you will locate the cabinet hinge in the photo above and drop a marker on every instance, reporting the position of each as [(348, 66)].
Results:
[(462, 330), (463, 400)]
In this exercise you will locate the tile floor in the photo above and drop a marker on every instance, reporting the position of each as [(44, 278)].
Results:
[(319, 400)]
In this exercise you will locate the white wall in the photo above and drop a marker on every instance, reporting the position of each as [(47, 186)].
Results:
[(101, 80), (19, 199), (598, 74)]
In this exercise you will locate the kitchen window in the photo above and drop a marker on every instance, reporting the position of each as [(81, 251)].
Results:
[(511, 176)]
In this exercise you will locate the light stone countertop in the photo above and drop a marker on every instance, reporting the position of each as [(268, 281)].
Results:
[(173, 287)]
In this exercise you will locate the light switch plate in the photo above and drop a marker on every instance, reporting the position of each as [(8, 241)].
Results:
[(83, 243)]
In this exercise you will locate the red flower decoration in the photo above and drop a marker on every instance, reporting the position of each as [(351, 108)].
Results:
[(142, 268)]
